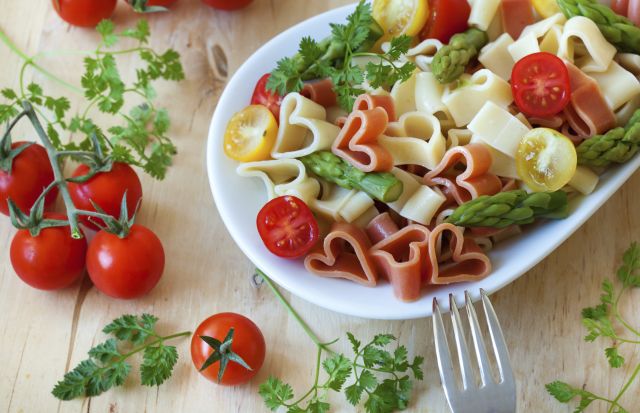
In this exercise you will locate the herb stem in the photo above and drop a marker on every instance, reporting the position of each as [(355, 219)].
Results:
[(380, 56), (614, 402), (619, 317), (295, 315), (30, 61), (154, 342)]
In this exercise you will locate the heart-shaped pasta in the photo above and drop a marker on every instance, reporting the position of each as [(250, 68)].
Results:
[(415, 139), (332, 259), (282, 177), (303, 128)]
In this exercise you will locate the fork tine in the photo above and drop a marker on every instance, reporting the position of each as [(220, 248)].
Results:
[(478, 342), (443, 354), (461, 344), (497, 338)]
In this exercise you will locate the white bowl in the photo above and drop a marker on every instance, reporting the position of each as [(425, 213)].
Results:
[(239, 200)]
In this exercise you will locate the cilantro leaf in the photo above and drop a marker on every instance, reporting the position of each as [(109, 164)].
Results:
[(275, 393), (157, 365), (106, 28), (132, 328), (338, 368), (614, 358)]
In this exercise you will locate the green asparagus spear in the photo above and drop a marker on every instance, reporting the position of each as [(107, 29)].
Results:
[(618, 145), (382, 186), (451, 61), (510, 208), (618, 30)]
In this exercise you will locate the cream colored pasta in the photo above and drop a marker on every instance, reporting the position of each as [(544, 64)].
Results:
[(303, 128), (483, 12), (550, 43), (416, 139), (363, 220), (335, 112), (418, 202), (458, 137), (498, 128), (484, 86), (428, 94), (501, 164), (541, 28), (584, 180), (625, 113), (282, 177), (495, 56), (524, 46), (629, 61), (495, 27), (423, 53), (618, 85), (600, 53), (340, 204), (404, 95)]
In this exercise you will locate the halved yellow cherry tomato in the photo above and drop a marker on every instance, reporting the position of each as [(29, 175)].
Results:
[(546, 8), (398, 17), (546, 160), (251, 134)]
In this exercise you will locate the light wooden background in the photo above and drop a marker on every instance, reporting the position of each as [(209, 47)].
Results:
[(42, 335)]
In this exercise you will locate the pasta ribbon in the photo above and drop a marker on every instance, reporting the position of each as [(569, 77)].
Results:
[(618, 86), (600, 53), (415, 139), (418, 202), (495, 56), (474, 181), (321, 92), (332, 259), (498, 128), (282, 177), (358, 141), (340, 204), (303, 128), (483, 12), (466, 100)]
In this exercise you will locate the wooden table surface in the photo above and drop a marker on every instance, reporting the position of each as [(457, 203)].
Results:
[(43, 335)]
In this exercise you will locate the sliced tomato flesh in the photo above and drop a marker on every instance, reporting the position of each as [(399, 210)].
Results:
[(287, 227), (540, 85)]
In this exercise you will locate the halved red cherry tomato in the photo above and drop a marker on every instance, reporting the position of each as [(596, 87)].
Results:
[(261, 96), (447, 18), (287, 227), (540, 84)]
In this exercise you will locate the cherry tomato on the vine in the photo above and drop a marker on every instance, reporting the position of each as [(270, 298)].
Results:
[(31, 173), (447, 18), (261, 96), (50, 261), (227, 4), (84, 13), (126, 267), (248, 343), (287, 227), (106, 189), (540, 84)]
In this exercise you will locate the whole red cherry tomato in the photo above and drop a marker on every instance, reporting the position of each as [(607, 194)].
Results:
[(287, 227), (50, 261), (261, 96), (447, 18), (30, 174), (540, 84), (106, 189), (126, 267), (248, 343), (227, 4), (84, 13)]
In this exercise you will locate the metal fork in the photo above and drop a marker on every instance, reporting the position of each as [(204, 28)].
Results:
[(490, 396)]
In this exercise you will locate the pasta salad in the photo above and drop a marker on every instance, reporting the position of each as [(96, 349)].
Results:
[(402, 147)]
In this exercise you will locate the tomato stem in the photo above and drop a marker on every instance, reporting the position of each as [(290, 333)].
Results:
[(59, 179), (303, 324)]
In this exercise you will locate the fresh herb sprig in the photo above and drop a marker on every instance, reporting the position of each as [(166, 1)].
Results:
[(107, 364), (141, 137), (604, 321), (378, 377), (333, 58)]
